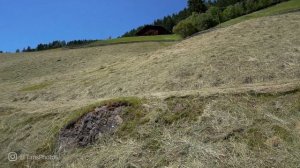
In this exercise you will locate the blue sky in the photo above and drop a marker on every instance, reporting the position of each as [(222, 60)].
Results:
[(29, 22)]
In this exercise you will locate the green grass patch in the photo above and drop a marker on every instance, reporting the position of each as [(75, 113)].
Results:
[(36, 87), (158, 38), (280, 8), (74, 116)]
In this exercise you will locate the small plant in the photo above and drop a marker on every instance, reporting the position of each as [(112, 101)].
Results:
[(232, 11)]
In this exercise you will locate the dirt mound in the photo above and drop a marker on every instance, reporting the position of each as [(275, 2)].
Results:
[(92, 126)]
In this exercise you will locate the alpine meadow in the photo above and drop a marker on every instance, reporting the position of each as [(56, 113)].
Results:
[(214, 85)]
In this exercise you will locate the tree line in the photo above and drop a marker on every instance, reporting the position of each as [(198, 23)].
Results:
[(217, 12), (168, 22), (56, 44), (201, 15)]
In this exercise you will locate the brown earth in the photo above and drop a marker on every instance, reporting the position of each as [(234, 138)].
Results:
[(92, 126)]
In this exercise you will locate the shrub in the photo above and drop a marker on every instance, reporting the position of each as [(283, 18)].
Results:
[(227, 14), (215, 13), (195, 23), (185, 28), (204, 21), (251, 5), (233, 11), (239, 9), (254, 5), (264, 3)]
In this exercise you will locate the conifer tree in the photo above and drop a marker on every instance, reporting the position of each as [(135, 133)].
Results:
[(197, 6)]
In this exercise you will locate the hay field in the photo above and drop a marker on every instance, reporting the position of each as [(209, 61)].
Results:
[(237, 88)]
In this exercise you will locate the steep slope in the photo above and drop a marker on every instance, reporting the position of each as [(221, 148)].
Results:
[(255, 51), (221, 99)]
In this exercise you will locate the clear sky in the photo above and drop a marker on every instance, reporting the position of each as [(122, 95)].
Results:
[(29, 22)]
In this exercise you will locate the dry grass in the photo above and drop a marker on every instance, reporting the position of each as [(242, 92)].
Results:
[(231, 56), (227, 98), (256, 51), (231, 130)]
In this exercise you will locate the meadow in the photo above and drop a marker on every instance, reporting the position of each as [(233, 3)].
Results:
[(226, 98)]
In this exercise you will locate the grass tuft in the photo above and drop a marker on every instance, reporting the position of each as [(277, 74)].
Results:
[(152, 145), (181, 109), (255, 138), (35, 87), (283, 133)]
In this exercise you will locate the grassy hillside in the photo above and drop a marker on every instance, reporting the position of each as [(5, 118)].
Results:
[(226, 98), (284, 7)]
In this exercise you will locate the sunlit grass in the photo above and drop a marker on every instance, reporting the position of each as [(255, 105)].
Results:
[(158, 38)]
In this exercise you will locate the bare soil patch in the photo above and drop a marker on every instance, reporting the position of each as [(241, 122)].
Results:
[(92, 126)]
